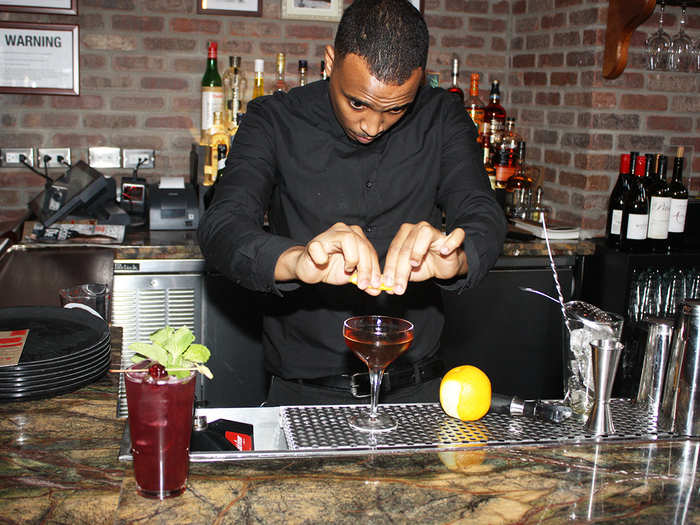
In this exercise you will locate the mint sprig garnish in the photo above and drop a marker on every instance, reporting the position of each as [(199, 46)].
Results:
[(174, 349)]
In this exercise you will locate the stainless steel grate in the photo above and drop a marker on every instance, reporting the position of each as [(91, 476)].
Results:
[(426, 425)]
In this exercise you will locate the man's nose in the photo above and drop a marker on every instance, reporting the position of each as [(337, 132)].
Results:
[(373, 124)]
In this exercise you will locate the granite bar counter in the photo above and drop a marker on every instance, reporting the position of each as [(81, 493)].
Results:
[(58, 464)]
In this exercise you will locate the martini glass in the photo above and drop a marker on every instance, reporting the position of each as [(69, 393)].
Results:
[(377, 340)]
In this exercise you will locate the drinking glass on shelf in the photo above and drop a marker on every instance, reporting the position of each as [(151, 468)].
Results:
[(674, 291), (696, 55), (657, 46), (377, 340), (652, 293), (680, 51)]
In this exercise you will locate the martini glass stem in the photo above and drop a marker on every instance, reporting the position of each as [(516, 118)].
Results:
[(375, 379)]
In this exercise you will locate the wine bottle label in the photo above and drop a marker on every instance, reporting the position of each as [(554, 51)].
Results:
[(616, 223), (659, 210), (212, 100), (676, 223), (637, 226)]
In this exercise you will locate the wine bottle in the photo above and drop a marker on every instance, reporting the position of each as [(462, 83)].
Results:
[(212, 90), (649, 171), (617, 202), (217, 135), (259, 82), (659, 209), (474, 105), (303, 66), (635, 212), (679, 203), (454, 88), (494, 109)]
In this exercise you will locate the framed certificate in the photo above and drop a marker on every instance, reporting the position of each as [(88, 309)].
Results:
[(56, 7), (325, 10), (230, 7), (39, 58)]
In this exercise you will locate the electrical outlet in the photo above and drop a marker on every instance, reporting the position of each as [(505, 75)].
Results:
[(54, 153), (103, 157), (132, 157), (10, 157)]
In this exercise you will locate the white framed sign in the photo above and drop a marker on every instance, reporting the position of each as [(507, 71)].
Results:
[(39, 58), (56, 7), (230, 7), (326, 10)]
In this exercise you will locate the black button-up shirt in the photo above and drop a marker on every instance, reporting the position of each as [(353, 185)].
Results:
[(291, 159)]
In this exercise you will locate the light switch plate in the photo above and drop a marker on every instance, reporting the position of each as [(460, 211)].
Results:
[(54, 153), (10, 157), (132, 157), (104, 157)]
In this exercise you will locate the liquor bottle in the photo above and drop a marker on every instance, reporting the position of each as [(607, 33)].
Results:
[(617, 202), (323, 71), (212, 90), (510, 140), (484, 139), (259, 82), (659, 209), (474, 105), (635, 212), (679, 203), (454, 88), (221, 152), (518, 187), (280, 84), (303, 65), (537, 209), (494, 109), (217, 135), (234, 85)]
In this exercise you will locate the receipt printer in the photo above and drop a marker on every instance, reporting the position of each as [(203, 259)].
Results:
[(173, 207)]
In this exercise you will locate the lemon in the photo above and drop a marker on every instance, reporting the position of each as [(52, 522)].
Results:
[(465, 393)]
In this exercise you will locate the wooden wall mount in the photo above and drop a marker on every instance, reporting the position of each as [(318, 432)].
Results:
[(624, 16)]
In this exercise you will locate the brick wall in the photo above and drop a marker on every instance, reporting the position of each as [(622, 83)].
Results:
[(142, 62), (576, 122)]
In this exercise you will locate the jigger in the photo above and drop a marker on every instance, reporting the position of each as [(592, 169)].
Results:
[(606, 356)]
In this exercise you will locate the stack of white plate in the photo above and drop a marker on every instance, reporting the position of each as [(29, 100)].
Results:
[(65, 349)]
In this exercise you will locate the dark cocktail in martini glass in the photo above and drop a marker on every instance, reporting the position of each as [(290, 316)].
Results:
[(377, 340)]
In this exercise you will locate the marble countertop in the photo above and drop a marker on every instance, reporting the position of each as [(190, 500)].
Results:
[(58, 464), (184, 245)]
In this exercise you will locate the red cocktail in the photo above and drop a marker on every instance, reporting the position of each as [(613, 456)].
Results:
[(160, 424), (377, 340)]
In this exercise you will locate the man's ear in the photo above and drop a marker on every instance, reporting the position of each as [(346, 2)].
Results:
[(329, 56)]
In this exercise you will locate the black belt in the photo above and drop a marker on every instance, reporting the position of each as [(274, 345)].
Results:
[(358, 386)]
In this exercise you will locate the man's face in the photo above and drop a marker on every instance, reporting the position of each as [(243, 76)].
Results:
[(364, 106)]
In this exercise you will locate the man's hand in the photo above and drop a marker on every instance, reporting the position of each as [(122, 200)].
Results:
[(331, 257), (420, 252)]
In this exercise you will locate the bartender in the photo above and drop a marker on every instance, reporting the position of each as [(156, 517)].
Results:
[(355, 175)]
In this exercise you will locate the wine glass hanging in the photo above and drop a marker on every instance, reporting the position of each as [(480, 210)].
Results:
[(657, 46), (680, 51)]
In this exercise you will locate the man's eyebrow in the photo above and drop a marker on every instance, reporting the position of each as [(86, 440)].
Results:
[(367, 104)]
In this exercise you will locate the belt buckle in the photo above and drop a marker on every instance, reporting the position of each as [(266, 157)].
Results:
[(355, 387)]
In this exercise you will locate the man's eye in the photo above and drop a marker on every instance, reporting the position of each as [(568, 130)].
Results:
[(356, 104), (397, 111)]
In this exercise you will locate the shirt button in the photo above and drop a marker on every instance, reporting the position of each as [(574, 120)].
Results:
[(369, 184)]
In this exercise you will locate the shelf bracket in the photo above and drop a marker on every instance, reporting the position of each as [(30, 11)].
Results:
[(624, 16)]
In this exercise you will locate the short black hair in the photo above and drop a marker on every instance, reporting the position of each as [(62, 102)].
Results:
[(390, 35)]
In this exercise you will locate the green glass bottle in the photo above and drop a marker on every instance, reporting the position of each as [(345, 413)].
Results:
[(212, 90)]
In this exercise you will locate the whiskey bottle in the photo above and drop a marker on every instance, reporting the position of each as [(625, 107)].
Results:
[(474, 105), (259, 81), (635, 213), (659, 209), (218, 135), (518, 188), (454, 88), (280, 83), (212, 90), (617, 202), (303, 65), (679, 203), (494, 109)]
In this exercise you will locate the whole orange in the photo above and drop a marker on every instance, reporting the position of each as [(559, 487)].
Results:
[(465, 393)]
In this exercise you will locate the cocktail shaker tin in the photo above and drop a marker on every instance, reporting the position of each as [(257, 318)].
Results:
[(656, 352)]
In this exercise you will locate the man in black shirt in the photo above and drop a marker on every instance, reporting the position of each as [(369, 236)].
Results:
[(355, 175)]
